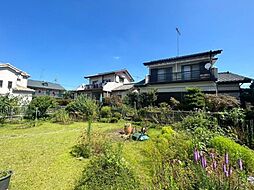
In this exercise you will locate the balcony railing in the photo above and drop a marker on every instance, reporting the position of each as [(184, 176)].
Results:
[(94, 86), (182, 76)]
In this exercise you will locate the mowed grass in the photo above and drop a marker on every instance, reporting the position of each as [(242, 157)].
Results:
[(40, 156)]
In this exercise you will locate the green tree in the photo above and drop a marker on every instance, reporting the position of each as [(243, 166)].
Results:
[(194, 99), (84, 107), (7, 104), (39, 106)]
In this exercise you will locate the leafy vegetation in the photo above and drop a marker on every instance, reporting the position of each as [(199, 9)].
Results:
[(108, 171), (39, 106), (7, 104), (62, 116), (194, 99), (220, 102)]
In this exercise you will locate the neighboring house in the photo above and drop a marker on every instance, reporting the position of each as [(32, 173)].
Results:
[(13, 81), (230, 83), (102, 84), (171, 77), (123, 90), (42, 88)]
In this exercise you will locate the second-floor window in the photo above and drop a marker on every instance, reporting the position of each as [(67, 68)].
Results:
[(190, 72), (161, 74), (9, 84), (1, 83)]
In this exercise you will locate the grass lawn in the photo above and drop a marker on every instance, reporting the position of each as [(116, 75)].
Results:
[(40, 157)]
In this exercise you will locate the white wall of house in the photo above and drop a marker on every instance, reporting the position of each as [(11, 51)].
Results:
[(208, 86), (17, 79), (8, 75)]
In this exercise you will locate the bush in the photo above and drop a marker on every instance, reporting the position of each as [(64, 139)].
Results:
[(39, 106), (62, 116), (104, 120), (113, 120), (199, 120), (217, 103), (202, 128), (140, 100), (194, 99), (168, 158), (105, 112), (117, 115), (114, 101), (87, 147), (235, 151), (83, 107), (7, 104), (108, 171)]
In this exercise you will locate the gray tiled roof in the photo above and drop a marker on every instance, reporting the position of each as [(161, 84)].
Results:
[(44, 84), (226, 77), (178, 58), (124, 87)]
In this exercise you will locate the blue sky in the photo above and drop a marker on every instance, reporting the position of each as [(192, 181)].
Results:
[(67, 39)]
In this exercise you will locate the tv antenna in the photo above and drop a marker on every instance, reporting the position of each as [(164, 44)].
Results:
[(177, 40)]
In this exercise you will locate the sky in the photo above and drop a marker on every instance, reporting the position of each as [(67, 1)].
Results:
[(64, 40)]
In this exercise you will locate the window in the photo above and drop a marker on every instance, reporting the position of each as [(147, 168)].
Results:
[(94, 82), (161, 75), (18, 79), (106, 80), (44, 84), (121, 79), (9, 84), (191, 72), (1, 83)]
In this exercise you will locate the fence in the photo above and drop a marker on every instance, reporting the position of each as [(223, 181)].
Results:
[(19, 112)]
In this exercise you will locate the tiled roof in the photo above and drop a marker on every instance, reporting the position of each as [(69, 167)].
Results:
[(124, 87), (8, 65), (23, 89), (44, 84), (227, 77), (140, 83), (178, 58), (111, 72)]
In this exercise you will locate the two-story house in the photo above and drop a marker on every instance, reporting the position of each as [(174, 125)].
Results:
[(171, 77), (13, 81), (102, 84), (43, 88)]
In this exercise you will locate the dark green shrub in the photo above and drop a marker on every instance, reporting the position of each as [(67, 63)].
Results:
[(235, 151), (85, 108), (117, 115), (87, 147), (39, 106), (105, 112), (199, 120), (81, 150), (113, 120), (108, 171), (202, 128), (7, 104), (61, 116), (194, 99), (104, 120)]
